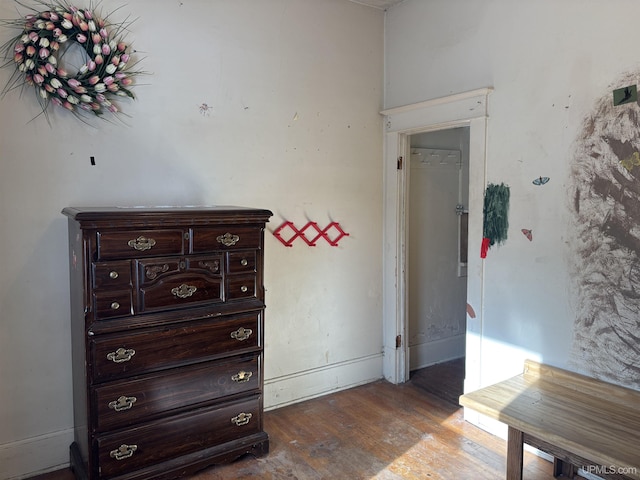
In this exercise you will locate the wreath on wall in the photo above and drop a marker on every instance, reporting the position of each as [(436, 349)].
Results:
[(46, 36)]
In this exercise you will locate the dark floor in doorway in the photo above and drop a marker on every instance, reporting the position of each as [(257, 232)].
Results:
[(445, 380)]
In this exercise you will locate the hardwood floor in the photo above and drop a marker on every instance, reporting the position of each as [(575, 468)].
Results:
[(445, 380), (375, 431)]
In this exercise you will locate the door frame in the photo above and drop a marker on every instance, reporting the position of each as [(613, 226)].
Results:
[(464, 109)]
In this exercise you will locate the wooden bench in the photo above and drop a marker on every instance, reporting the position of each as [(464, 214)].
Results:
[(582, 422)]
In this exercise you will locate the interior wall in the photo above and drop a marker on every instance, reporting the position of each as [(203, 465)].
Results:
[(272, 104), (549, 76)]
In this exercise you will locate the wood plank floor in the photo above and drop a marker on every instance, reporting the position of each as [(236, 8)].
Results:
[(375, 431), (445, 380)]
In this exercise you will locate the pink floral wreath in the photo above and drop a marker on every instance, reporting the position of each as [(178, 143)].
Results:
[(35, 52)]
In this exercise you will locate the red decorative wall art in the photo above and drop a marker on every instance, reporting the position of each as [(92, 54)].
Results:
[(333, 229)]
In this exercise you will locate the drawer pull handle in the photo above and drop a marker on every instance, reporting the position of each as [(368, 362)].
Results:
[(213, 266), (184, 291), (228, 240), (142, 243), (152, 271), (241, 333), (244, 289), (121, 355), (115, 306), (122, 403), (123, 452), (113, 274), (241, 376), (244, 262), (241, 419)]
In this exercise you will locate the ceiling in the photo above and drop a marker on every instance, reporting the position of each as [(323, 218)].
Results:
[(382, 4)]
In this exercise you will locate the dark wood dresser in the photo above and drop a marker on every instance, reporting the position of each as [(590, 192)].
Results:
[(167, 319)]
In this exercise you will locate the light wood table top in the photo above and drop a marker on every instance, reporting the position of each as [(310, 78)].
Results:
[(587, 417)]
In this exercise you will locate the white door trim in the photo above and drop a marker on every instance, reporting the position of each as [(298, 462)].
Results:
[(464, 109)]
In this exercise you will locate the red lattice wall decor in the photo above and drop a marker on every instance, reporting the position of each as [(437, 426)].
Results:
[(333, 229)]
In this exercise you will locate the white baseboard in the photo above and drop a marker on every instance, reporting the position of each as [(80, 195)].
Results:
[(289, 389), (429, 353), (34, 456)]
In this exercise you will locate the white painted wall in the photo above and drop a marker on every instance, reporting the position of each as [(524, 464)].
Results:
[(548, 62), (295, 88)]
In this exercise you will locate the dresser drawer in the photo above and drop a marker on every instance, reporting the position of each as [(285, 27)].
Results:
[(120, 404), (163, 440), (153, 269), (179, 291), (112, 274), (241, 262), (240, 287), (119, 355), (112, 303), (177, 282), (224, 238), (139, 243), (150, 270)]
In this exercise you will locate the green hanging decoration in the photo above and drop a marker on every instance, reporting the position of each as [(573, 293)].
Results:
[(496, 216)]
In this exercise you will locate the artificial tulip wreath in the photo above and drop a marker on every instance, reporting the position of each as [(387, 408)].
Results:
[(45, 36)]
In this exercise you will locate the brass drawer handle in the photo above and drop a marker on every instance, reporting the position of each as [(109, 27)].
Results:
[(113, 274), (228, 239), (121, 355), (124, 451), (241, 333), (241, 419), (122, 403), (241, 376), (244, 289), (184, 291), (244, 262), (115, 306), (213, 266), (142, 243), (153, 271)]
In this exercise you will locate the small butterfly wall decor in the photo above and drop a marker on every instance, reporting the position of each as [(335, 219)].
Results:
[(541, 180), (528, 233)]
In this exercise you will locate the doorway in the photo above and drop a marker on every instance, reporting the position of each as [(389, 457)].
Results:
[(437, 238), (437, 243), (469, 109)]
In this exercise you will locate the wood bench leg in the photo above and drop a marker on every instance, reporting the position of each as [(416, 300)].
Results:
[(515, 454), (563, 469)]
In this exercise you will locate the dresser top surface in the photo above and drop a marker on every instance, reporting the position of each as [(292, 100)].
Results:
[(168, 214)]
